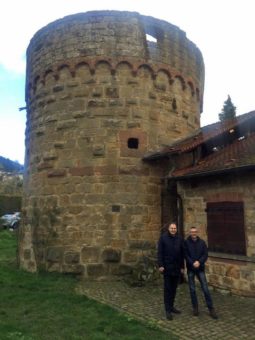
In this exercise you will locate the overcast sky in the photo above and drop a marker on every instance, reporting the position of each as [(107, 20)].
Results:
[(222, 29)]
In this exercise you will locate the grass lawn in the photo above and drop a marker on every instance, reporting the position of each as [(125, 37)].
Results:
[(45, 306)]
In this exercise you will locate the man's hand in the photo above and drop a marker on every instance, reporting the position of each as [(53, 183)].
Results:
[(196, 264), (161, 269), (182, 270)]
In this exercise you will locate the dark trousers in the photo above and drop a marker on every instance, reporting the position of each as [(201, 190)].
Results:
[(170, 286), (203, 283)]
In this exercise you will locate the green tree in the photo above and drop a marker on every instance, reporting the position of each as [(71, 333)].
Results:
[(228, 110)]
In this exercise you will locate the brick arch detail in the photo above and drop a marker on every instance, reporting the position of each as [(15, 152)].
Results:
[(135, 65)]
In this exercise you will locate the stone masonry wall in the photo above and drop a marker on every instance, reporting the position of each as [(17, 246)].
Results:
[(231, 273), (99, 96)]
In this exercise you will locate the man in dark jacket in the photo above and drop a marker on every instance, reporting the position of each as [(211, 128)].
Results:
[(171, 264), (196, 254)]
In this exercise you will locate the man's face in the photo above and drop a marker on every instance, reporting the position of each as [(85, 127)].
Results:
[(193, 233), (172, 229)]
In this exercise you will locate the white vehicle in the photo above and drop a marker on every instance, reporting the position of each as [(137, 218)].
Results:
[(10, 221)]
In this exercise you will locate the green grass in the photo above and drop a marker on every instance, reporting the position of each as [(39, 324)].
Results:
[(45, 306)]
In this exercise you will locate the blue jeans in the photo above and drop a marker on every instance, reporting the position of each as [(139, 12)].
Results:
[(203, 283)]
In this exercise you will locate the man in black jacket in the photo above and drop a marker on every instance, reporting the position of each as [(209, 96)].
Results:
[(196, 255), (171, 264)]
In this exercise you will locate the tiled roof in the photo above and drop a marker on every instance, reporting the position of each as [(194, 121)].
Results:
[(238, 155), (200, 136)]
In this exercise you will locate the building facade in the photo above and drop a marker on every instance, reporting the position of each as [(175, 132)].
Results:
[(212, 178)]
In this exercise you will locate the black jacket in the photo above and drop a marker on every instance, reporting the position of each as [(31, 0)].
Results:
[(195, 251), (170, 253)]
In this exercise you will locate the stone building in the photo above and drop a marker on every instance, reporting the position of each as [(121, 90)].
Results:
[(100, 94), (211, 173), (114, 149)]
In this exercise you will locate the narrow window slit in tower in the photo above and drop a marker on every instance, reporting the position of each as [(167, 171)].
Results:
[(174, 104), (133, 143)]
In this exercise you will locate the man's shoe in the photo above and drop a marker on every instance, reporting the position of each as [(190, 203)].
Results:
[(213, 314), (195, 311), (169, 316), (176, 311)]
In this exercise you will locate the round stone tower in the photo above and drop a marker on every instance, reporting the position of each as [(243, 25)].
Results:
[(102, 89)]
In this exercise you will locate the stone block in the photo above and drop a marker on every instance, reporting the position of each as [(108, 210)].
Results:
[(72, 257), (54, 254), (49, 155), (233, 271), (79, 114), (160, 86), (90, 254), (248, 274), (130, 256), (82, 171), (51, 99), (73, 268), (96, 103), (51, 118), (152, 95), (96, 270), (141, 244), (118, 243), (111, 255), (58, 88), (218, 269), (98, 150), (112, 123), (27, 254), (40, 131), (133, 124), (66, 124), (97, 92), (227, 282), (72, 83), (132, 81), (252, 287), (31, 266), (57, 173), (116, 102), (53, 267), (244, 286), (214, 279), (112, 92), (132, 101), (120, 270)]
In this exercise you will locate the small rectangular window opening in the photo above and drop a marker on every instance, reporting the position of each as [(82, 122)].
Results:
[(115, 208), (133, 143)]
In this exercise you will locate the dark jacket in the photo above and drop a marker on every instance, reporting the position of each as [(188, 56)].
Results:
[(170, 253), (195, 251)]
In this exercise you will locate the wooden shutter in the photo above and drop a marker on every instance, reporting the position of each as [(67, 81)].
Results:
[(225, 227)]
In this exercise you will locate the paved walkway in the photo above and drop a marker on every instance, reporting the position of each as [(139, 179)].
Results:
[(236, 314)]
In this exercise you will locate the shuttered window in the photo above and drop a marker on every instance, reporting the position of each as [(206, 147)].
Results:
[(225, 227)]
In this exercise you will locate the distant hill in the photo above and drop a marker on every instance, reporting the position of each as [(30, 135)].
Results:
[(10, 166)]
